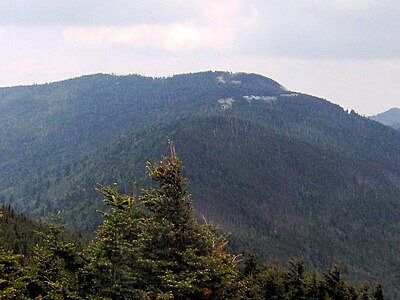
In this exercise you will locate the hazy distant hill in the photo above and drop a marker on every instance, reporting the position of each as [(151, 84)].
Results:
[(288, 174), (390, 117)]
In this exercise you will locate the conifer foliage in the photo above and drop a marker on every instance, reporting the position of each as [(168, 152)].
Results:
[(150, 247), (116, 265), (153, 247), (12, 276), (194, 264)]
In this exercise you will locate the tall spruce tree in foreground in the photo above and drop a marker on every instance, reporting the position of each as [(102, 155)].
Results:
[(191, 258), (154, 248)]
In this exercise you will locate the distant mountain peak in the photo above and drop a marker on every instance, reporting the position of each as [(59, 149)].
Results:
[(390, 117)]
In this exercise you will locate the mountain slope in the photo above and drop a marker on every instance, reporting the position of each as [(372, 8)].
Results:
[(390, 117), (288, 174), (280, 193)]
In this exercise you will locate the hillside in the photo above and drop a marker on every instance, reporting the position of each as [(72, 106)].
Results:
[(390, 117), (288, 174)]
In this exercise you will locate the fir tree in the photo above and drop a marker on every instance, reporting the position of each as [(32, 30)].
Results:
[(115, 266), (13, 277), (56, 266), (295, 281), (334, 286), (378, 294), (192, 260)]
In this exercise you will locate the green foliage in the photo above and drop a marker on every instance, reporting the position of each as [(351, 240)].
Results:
[(17, 232), (13, 276), (378, 294), (201, 268), (116, 266), (272, 282), (334, 287), (55, 266), (154, 248)]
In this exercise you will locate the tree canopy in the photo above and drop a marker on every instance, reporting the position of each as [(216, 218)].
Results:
[(151, 246)]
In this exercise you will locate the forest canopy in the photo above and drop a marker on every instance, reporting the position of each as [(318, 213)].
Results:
[(151, 246)]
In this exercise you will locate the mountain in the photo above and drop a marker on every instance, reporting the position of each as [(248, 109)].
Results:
[(390, 117), (286, 173)]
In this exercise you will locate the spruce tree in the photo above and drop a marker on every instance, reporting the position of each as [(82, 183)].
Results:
[(334, 286), (295, 281), (13, 276), (191, 258), (56, 265), (378, 294), (115, 266)]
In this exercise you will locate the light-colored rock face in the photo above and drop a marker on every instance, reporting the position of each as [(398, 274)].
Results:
[(223, 79), (289, 95), (226, 103), (265, 99), (220, 79)]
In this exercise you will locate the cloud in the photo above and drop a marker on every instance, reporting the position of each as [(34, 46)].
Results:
[(202, 25), (173, 37), (3, 31), (92, 12), (25, 65), (353, 5), (323, 29), (282, 28)]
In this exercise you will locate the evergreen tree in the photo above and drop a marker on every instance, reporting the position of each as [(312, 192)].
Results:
[(13, 277), (56, 265), (191, 257), (378, 294), (115, 268), (333, 286), (364, 293), (250, 263), (295, 281)]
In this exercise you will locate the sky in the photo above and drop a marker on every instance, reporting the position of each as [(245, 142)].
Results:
[(346, 51)]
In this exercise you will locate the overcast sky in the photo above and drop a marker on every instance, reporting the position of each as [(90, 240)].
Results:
[(347, 51)]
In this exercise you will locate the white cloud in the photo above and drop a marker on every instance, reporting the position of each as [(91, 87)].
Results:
[(204, 25), (93, 12), (3, 31), (174, 37), (353, 5), (25, 65)]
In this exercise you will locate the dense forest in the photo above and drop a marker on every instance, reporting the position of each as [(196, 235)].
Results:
[(150, 246), (286, 174)]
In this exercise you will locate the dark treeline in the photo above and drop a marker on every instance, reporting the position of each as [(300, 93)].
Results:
[(150, 246)]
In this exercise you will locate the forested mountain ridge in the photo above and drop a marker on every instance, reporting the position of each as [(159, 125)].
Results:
[(288, 174), (390, 117), (44, 126)]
